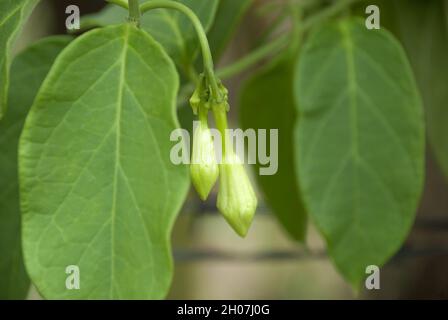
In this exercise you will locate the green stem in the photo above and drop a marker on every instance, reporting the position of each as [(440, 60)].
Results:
[(205, 47), (220, 115), (120, 3), (203, 117), (329, 12), (254, 57), (134, 11), (268, 49)]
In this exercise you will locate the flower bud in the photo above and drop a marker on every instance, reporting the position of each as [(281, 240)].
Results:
[(195, 101), (203, 168), (200, 96), (236, 198)]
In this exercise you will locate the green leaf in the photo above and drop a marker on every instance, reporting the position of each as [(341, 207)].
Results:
[(169, 27), (28, 70), (359, 143), (227, 19), (98, 189), (13, 14), (267, 102), (423, 28)]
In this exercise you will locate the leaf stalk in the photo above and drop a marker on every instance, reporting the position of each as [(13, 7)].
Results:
[(134, 12), (205, 47)]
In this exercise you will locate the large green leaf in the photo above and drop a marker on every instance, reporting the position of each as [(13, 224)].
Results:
[(359, 143), (423, 28), (227, 19), (13, 14), (267, 102), (28, 70), (98, 189), (171, 28)]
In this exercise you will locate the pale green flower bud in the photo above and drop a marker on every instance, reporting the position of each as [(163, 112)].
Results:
[(200, 96), (195, 101), (203, 168), (236, 198)]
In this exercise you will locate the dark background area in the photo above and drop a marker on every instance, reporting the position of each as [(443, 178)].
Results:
[(85, 6)]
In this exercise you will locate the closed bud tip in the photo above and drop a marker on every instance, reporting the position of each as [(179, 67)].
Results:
[(236, 198)]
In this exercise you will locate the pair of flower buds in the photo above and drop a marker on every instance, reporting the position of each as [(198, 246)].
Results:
[(237, 201)]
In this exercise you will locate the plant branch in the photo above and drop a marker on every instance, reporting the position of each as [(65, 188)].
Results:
[(270, 48), (326, 13), (120, 3), (205, 47), (254, 57), (134, 11)]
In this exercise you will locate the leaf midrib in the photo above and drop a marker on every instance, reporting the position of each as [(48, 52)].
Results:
[(352, 89), (9, 16), (118, 115)]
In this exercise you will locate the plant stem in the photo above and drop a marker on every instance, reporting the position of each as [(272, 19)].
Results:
[(205, 47), (266, 50), (332, 10), (120, 3), (134, 11), (220, 115), (203, 116), (254, 57)]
